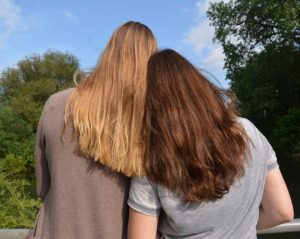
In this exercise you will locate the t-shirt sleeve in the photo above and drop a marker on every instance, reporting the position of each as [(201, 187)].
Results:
[(271, 158), (263, 144), (143, 197)]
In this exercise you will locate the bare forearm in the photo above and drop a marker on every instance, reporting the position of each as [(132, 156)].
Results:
[(276, 205), (271, 219)]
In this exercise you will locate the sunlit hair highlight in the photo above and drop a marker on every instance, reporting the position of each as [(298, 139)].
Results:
[(107, 108), (194, 145)]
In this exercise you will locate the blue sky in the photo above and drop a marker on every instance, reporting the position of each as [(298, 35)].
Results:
[(83, 27)]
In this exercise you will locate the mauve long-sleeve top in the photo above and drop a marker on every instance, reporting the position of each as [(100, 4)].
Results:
[(82, 198)]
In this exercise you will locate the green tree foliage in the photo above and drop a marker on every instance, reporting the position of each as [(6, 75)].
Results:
[(245, 27), (23, 92), (18, 205), (268, 85), (261, 42), (286, 132), (16, 135), (27, 87)]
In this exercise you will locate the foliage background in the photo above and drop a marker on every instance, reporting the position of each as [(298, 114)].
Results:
[(261, 42), (23, 92)]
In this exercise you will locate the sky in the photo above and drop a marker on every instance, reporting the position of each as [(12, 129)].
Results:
[(83, 28)]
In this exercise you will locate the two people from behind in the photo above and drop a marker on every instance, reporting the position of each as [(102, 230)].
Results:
[(198, 170)]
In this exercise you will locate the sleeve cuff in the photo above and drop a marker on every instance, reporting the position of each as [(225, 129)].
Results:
[(143, 210), (273, 163)]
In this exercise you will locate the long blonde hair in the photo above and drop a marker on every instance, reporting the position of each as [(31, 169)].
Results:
[(107, 107)]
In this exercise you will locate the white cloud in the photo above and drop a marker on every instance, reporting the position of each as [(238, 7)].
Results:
[(10, 14), (215, 59), (71, 17), (202, 6), (200, 38), (10, 18)]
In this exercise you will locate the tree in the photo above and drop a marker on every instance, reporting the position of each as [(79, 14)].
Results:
[(18, 206), (261, 42), (23, 92), (268, 86), (286, 132), (245, 27), (16, 136), (26, 88)]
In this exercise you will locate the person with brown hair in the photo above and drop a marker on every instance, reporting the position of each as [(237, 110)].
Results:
[(209, 173), (87, 137)]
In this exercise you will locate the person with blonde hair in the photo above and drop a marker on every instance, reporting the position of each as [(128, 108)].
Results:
[(209, 173), (89, 139)]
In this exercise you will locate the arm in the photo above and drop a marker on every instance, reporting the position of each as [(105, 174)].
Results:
[(144, 210), (276, 205), (141, 225), (41, 166)]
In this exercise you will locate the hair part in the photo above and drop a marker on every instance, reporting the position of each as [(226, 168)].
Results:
[(193, 144), (107, 107)]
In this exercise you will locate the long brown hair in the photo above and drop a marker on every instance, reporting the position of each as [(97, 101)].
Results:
[(107, 107), (194, 145)]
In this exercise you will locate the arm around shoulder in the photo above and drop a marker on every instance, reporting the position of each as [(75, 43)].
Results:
[(276, 205)]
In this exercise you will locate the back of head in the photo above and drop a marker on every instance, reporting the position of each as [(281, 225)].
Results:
[(107, 107), (191, 136)]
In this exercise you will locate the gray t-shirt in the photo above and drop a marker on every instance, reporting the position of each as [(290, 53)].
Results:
[(234, 216)]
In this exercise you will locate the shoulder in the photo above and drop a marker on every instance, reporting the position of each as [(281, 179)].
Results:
[(56, 102), (144, 186), (256, 138), (60, 96), (249, 127), (247, 124), (143, 197), (260, 143), (142, 182)]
